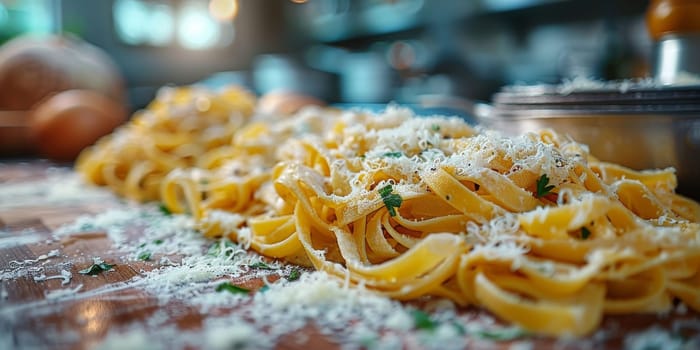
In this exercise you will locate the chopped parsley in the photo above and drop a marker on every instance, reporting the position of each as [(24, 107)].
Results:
[(145, 255), (157, 241), (164, 210), (391, 200), (393, 154), (543, 186), (421, 320), (261, 266), (458, 326), (435, 127), (504, 334), (368, 342), (96, 268), (87, 227), (224, 246), (232, 288), (294, 275), (585, 233), (264, 289)]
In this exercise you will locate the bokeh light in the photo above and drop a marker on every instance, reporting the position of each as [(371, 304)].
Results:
[(223, 10), (197, 29)]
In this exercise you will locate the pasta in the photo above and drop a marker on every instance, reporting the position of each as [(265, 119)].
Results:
[(532, 228)]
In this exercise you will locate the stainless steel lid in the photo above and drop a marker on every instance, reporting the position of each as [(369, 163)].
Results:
[(591, 97), (638, 125), (677, 58)]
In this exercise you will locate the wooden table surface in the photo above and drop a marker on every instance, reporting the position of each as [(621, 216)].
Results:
[(30, 318)]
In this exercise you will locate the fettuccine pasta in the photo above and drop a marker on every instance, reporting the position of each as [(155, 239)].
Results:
[(532, 228)]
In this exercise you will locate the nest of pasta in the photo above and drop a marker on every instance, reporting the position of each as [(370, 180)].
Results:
[(532, 228)]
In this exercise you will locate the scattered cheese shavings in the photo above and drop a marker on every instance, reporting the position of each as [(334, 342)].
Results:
[(62, 186), (27, 236), (236, 335), (65, 276), (63, 293), (656, 338), (135, 339), (356, 318)]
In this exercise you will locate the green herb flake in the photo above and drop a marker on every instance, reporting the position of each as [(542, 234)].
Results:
[(393, 154), (585, 233), (158, 241), (144, 255), (232, 288), (164, 209), (543, 186), (264, 289), (435, 127), (391, 200), (505, 334), (294, 275), (459, 327), (261, 266), (368, 342), (96, 268), (87, 227), (221, 247), (421, 320)]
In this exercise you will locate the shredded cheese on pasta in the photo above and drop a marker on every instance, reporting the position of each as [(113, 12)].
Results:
[(470, 224)]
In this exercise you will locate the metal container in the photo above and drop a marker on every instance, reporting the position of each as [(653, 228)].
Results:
[(674, 26), (678, 59), (641, 126)]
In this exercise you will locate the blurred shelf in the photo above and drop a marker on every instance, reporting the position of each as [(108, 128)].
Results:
[(341, 20), (335, 21)]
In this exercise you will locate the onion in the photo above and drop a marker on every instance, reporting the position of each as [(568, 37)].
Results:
[(32, 68), (72, 120), (285, 102)]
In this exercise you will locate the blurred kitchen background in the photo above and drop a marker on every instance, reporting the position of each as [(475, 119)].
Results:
[(97, 62), (343, 51)]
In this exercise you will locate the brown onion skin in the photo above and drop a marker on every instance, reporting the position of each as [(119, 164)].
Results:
[(64, 124), (34, 67), (286, 102)]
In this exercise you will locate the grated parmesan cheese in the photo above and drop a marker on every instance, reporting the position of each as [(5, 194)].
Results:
[(136, 339), (63, 293), (184, 271)]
